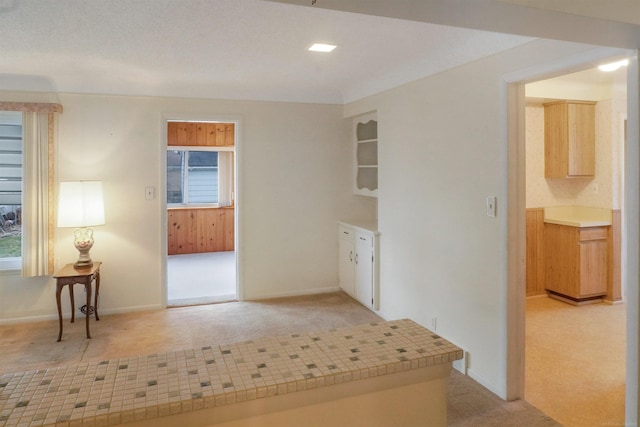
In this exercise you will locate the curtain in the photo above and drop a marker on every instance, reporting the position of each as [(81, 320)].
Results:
[(225, 178), (37, 229)]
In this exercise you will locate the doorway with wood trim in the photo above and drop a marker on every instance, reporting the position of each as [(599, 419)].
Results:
[(200, 203), (525, 226)]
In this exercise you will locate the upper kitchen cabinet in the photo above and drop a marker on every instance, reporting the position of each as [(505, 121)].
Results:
[(569, 139), (365, 131)]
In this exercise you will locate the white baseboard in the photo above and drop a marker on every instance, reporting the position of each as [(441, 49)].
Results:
[(31, 319), (132, 309), (484, 383), (67, 315), (293, 293)]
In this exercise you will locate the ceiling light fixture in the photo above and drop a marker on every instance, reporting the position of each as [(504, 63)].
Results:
[(613, 66), (322, 47)]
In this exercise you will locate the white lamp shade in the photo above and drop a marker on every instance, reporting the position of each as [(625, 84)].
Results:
[(80, 204)]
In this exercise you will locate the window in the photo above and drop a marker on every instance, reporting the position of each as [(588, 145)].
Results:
[(10, 189), (34, 212), (199, 176), (192, 177)]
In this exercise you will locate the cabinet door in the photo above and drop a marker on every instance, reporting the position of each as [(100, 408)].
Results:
[(581, 136), (346, 260), (593, 268), (364, 269), (569, 139)]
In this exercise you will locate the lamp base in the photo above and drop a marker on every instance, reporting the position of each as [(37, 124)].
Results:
[(83, 264), (83, 243)]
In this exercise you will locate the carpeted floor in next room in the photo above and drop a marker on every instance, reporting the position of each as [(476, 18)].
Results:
[(33, 345)]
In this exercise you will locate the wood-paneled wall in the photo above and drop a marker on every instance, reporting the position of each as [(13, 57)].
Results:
[(200, 230), (614, 285), (200, 134), (535, 252)]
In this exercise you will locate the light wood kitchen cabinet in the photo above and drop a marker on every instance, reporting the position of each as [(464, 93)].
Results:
[(576, 262), (357, 263), (569, 139)]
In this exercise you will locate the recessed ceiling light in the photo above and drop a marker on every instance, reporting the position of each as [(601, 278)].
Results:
[(613, 66), (322, 47)]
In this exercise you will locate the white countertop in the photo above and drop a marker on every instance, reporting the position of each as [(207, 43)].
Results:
[(577, 216)]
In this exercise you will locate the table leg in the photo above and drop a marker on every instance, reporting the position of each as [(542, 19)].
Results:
[(58, 290), (73, 303), (87, 285), (97, 293)]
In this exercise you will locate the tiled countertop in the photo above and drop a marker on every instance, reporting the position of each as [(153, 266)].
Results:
[(118, 391)]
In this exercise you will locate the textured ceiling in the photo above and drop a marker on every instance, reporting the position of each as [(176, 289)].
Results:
[(227, 49)]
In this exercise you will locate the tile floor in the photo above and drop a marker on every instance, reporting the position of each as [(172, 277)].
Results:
[(154, 385)]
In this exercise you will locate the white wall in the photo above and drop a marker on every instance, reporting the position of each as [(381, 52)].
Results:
[(293, 174), (442, 151)]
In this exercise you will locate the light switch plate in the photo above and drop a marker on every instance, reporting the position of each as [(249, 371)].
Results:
[(492, 206), (149, 193)]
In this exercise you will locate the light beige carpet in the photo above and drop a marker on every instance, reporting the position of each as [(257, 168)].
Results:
[(575, 361), (33, 345)]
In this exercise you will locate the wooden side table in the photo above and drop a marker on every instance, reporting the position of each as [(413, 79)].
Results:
[(69, 275)]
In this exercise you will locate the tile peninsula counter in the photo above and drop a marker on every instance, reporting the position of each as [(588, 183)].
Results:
[(378, 374)]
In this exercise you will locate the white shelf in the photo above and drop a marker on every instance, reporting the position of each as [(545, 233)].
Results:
[(365, 131)]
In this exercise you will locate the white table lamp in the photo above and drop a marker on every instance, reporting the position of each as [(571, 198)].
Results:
[(81, 205)]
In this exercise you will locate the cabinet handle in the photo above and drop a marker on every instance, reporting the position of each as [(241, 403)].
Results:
[(351, 256), (356, 258)]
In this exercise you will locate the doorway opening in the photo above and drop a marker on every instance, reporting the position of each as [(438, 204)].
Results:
[(200, 195), (538, 355)]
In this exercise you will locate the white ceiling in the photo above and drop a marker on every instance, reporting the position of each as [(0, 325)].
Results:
[(613, 10), (224, 49)]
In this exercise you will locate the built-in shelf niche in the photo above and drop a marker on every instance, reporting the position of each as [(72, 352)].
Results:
[(366, 156)]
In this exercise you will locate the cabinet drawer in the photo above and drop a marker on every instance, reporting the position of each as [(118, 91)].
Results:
[(364, 238), (346, 233), (593, 233)]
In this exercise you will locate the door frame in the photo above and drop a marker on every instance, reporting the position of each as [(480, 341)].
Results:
[(514, 99), (238, 162)]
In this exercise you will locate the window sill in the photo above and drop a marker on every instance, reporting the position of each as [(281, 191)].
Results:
[(10, 266), (190, 207)]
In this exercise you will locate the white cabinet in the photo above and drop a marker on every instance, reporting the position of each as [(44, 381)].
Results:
[(358, 263), (365, 131), (347, 259)]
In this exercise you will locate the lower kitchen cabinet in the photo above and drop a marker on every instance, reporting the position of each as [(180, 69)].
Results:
[(358, 263), (576, 262)]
